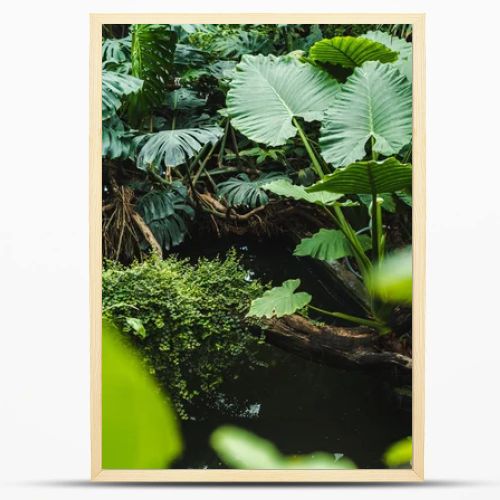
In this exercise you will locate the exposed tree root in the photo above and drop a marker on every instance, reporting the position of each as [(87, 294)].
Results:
[(122, 227)]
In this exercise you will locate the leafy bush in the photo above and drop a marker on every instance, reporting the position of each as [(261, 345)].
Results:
[(193, 319)]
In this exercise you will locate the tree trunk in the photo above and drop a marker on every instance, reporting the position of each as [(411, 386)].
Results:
[(334, 345)]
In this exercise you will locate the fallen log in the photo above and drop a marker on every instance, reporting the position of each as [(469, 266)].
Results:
[(335, 345)]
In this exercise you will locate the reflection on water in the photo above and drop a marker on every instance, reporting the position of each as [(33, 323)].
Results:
[(300, 405)]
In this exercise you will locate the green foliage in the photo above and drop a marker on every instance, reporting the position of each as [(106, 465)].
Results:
[(152, 54), (165, 212), (242, 191), (114, 87), (193, 316), (399, 453), (404, 63), (391, 280), (366, 177), (139, 427), (171, 148), (283, 187), (279, 108), (279, 301), (241, 449), (117, 141), (268, 92), (240, 43), (374, 103), (184, 99), (349, 52), (115, 52), (328, 245)]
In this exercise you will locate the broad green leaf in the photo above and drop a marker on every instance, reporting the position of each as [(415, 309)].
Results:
[(283, 187), (139, 428), (399, 453), (407, 198), (404, 62), (241, 449), (280, 301), (242, 42), (117, 141), (165, 212), (115, 50), (349, 51), (243, 191), (267, 92), (184, 99), (114, 87), (391, 280), (364, 177), (152, 55), (137, 326), (174, 147), (374, 103), (329, 245)]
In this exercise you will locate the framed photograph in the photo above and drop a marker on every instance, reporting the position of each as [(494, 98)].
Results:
[(257, 247)]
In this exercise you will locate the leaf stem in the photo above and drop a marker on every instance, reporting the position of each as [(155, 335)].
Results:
[(309, 149), (359, 252), (349, 317), (376, 212), (223, 144)]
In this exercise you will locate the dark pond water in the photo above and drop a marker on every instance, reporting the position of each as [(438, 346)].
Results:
[(299, 405)]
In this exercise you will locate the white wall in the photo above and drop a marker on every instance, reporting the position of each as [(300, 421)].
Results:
[(44, 370)]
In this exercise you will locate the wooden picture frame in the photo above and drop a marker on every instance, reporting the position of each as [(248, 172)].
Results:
[(419, 248)]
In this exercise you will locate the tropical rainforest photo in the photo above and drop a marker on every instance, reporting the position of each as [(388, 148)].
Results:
[(256, 246)]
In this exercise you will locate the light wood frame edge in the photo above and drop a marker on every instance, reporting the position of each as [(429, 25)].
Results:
[(419, 252)]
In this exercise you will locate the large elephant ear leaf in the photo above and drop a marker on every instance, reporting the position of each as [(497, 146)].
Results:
[(366, 177), (349, 51), (114, 87), (328, 245), (280, 301), (404, 62), (267, 92), (174, 147), (374, 103)]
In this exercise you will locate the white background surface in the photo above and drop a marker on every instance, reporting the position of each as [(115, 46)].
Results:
[(44, 368)]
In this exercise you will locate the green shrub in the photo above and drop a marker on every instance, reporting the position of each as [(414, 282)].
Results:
[(188, 319)]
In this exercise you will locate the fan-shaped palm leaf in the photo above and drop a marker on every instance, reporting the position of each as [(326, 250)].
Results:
[(285, 88), (375, 102)]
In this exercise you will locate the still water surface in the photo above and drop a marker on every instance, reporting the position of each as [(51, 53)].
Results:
[(299, 405)]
